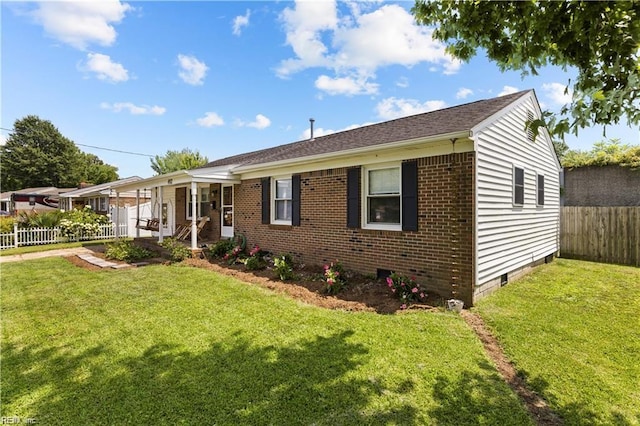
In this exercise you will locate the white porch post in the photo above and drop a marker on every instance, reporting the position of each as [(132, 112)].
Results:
[(161, 225), (194, 214), (137, 212), (117, 221)]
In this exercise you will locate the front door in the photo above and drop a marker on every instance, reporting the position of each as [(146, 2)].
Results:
[(227, 211)]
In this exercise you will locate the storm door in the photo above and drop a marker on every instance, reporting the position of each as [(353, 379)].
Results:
[(227, 211)]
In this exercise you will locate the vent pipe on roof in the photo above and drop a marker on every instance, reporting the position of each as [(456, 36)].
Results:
[(311, 120)]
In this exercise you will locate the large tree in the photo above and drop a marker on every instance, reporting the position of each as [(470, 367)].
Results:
[(37, 154), (599, 39), (173, 161)]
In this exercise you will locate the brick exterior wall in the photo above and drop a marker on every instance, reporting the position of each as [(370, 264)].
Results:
[(439, 254)]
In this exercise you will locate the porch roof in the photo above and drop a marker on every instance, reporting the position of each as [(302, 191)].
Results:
[(182, 177)]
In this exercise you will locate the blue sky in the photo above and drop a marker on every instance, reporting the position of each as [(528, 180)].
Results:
[(224, 78)]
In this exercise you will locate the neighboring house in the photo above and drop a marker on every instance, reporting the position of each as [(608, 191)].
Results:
[(601, 186), (462, 198), (32, 199), (103, 197)]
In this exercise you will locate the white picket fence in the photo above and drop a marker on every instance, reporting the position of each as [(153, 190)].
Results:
[(36, 236)]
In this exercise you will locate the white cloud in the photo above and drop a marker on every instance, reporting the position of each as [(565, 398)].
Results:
[(556, 93), (403, 82), (239, 22), (346, 85), (134, 109), (261, 122), (80, 23), (105, 68), (210, 119), (192, 71), (463, 93), (391, 108), (507, 90), (3, 139), (359, 44)]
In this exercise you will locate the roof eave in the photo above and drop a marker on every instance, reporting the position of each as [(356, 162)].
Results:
[(350, 152)]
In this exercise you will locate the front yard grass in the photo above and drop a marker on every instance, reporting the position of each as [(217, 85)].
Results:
[(178, 345), (572, 328)]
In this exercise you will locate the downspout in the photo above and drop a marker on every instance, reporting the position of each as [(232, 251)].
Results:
[(194, 214), (455, 231)]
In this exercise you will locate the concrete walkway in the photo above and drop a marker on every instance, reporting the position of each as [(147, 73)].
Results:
[(46, 253)]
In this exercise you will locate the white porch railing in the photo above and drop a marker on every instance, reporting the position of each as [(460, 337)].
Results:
[(37, 236)]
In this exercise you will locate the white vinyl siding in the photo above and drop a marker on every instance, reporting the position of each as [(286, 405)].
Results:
[(511, 235)]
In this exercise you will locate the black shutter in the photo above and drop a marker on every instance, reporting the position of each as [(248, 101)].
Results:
[(266, 200), (295, 200), (410, 196), (353, 198)]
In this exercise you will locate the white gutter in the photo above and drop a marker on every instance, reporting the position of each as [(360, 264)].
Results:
[(351, 152)]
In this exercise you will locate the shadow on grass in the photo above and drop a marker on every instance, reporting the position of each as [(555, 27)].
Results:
[(232, 382)]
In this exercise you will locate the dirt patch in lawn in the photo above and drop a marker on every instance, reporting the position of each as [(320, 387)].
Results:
[(536, 405)]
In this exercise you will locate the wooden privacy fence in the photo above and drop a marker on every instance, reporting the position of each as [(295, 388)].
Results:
[(601, 234)]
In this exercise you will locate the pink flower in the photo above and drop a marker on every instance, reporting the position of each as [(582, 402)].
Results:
[(329, 281), (393, 290), (326, 267), (422, 295), (389, 281), (414, 290), (404, 306)]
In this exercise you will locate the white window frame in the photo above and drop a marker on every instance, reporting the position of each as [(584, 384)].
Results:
[(203, 191), (513, 184), (365, 195), (538, 175), (274, 186)]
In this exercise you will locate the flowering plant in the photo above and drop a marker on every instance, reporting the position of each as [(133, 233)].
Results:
[(232, 255), (333, 278), (283, 267), (406, 289), (255, 259)]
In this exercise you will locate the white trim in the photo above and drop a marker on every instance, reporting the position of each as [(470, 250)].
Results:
[(513, 184), (365, 169), (272, 201)]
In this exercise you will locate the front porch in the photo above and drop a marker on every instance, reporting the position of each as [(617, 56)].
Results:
[(194, 207)]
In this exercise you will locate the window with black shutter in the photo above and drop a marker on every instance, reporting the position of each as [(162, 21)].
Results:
[(410, 196)]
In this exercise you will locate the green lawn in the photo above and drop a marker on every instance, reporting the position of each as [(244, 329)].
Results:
[(573, 329), (178, 345)]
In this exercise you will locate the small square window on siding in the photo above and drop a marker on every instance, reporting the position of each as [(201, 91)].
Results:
[(518, 186), (540, 190)]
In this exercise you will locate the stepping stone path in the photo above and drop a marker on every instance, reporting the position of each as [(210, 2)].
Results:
[(101, 262)]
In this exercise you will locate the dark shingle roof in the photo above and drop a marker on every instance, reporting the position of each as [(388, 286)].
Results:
[(444, 121)]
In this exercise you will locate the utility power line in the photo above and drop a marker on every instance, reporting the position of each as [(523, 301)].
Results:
[(97, 147)]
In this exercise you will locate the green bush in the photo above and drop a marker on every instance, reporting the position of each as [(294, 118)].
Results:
[(220, 248), (406, 289), (47, 219), (126, 251), (6, 225), (256, 259), (283, 267), (78, 222), (178, 251)]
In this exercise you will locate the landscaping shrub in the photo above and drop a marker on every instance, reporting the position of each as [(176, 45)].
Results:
[(283, 267), (406, 289), (6, 225), (126, 251), (177, 250), (256, 259), (48, 219), (79, 222), (334, 278), (220, 248)]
